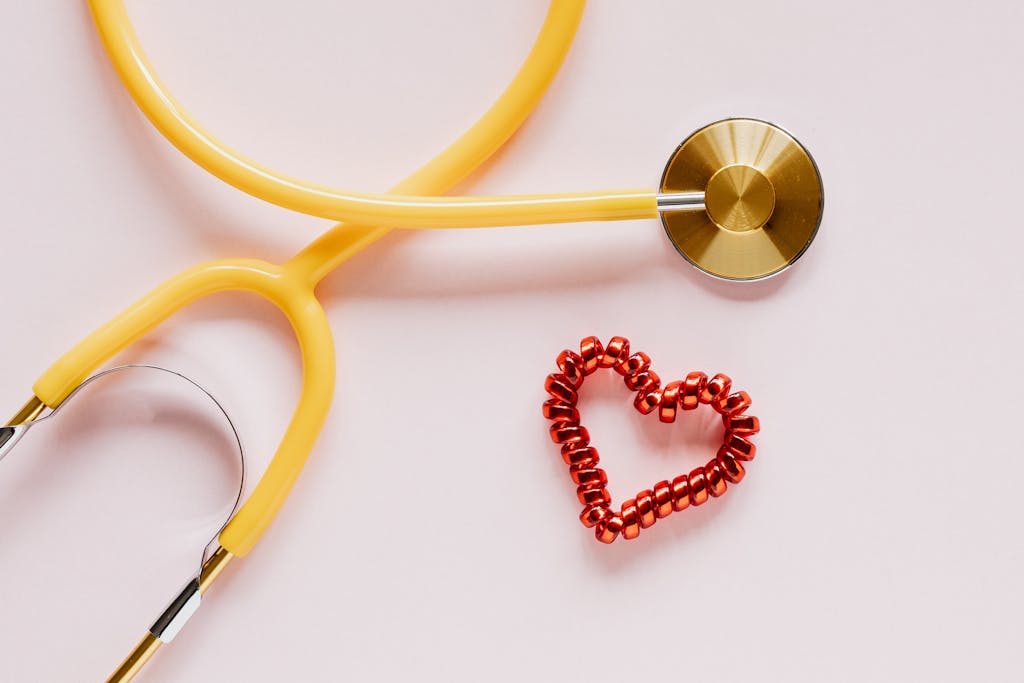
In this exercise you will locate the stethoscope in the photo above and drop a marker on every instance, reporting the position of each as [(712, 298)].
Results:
[(740, 199)]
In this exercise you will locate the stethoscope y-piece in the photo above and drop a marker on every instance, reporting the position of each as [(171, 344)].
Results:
[(185, 604)]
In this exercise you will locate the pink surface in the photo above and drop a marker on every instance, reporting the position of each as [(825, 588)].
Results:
[(434, 533)]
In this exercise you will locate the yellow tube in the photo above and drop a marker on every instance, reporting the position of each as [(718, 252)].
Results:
[(295, 299), (398, 211), (471, 149)]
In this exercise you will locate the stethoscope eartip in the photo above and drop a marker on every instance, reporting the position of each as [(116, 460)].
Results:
[(763, 199)]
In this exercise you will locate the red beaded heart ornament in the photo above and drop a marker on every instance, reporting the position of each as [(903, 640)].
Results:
[(665, 497)]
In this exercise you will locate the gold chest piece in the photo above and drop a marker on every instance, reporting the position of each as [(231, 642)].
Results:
[(762, 195)]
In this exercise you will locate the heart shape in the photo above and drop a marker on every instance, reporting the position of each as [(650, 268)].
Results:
[(664, 498)]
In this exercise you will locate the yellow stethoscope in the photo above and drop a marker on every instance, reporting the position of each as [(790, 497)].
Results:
[(741, 199)]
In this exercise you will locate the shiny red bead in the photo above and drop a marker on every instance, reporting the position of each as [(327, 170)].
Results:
[(608, 529), (591, 484), (669, 401), (634, 365), (733, 404), (662, 499), (715, 477), (567, 432), (558, 386), (571, 365), (615, 352), (739, 447), (646, 403), (645, 507), (698, 487), (592, 515), (717, 386), (591, 351), (588, 476), (693, 387), (630, 520), (594, 496), (644, 383), (732, 470), (744, 425), (584, 455), (681, 493), (557, 409)]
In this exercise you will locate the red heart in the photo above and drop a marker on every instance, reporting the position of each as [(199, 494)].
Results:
[(664, 497)]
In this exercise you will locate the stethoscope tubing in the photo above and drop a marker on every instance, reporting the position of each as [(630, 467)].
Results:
[(398, 210)]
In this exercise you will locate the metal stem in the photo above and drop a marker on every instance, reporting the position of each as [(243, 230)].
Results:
[(680, 201)]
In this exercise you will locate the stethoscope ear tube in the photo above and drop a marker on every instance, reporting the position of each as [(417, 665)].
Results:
[(9, 438), (187, 602)]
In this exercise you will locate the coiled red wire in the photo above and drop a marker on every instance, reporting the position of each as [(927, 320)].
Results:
[(665, 497)]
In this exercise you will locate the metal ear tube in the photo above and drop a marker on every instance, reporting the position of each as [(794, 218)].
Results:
[(185, 604)]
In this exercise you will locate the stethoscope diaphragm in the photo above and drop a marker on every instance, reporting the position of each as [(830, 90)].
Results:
[(763, 199)]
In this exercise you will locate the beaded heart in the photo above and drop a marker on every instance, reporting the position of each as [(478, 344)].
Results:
[(664, 498)]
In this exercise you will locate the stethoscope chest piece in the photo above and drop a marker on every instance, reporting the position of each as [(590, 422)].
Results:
[(763, 199)]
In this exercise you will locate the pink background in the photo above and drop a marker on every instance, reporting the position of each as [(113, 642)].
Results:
[(434, 532)]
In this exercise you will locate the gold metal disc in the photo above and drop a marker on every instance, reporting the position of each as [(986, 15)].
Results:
[(763, 199)]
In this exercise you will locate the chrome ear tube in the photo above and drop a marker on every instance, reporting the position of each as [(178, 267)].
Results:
[(187, 602)]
